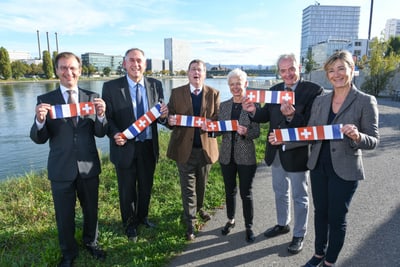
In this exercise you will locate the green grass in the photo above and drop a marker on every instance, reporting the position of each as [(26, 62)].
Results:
[(28, 233)]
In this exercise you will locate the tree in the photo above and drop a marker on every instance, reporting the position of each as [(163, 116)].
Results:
[(107, 71), (19, 69), (5, 64), (394, 46), (47, 65), (380, 68)]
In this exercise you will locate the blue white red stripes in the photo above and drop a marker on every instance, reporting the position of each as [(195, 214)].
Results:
[(270, 97), (222, 126), (309, 133), (142, 123), (72, 110), (189, 121)]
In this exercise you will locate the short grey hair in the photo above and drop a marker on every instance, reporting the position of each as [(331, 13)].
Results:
[(237, 73)]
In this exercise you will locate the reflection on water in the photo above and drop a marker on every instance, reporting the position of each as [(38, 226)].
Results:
[(17, 105)]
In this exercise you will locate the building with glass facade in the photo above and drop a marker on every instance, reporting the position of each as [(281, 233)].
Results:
[(100, 61), (178, 54), (321, 23), (392, 28)]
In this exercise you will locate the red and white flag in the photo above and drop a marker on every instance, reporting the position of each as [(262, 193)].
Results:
[(309, 133), (270, 97), (72, 110), (142, 123), (222, 126)]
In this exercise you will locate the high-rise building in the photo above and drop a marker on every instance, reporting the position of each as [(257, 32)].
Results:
[(322, 23), (392, 28), (178, 54)]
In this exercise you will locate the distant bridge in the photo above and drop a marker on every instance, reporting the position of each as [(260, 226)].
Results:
[(264, 73)]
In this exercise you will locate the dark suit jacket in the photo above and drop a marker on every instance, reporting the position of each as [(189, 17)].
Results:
[(181, 141), (294, 160), (244, 150), (359, 109), (72, 149), (120, 116)]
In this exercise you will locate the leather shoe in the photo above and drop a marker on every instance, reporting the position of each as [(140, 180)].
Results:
[(132, 234), (148, 224), (250, 235), (227, 228), (314, 262), (66, 263), (277, 230), (296, 245), (204, 215), (96, 251)]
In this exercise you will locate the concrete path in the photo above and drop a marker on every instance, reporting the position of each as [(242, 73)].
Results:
[(373, 236)]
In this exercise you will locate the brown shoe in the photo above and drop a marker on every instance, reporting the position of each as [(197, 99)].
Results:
[(204, 215)]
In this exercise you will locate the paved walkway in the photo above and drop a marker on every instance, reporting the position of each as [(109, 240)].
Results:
[(373, 236)]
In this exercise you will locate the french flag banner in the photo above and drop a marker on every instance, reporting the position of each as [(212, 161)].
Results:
[(189, 121), (222, 126), (309, 133), (270, 97), (142, 123), (72, 110)]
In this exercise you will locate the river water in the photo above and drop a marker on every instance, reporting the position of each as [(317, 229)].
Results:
[(18, 154)]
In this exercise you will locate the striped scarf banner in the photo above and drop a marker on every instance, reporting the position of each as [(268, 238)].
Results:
[(270, 97), (222, 126), (189, 121), (142, 123), (309, 133), (72, 110)]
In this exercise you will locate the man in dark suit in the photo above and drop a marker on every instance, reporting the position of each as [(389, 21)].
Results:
[(289, 168), (192, 148), (73, 164), (135, 159)]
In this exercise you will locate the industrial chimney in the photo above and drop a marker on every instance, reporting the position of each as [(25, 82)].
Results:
[(38, 40)]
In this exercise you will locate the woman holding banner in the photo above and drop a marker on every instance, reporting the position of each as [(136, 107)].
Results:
[(239, 157)]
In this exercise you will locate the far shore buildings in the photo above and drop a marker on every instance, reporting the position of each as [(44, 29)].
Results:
[(328, 28), (392, 28), (178, 54)]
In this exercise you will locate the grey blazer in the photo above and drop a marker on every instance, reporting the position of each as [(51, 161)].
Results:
[(359, 109), (244, 150)]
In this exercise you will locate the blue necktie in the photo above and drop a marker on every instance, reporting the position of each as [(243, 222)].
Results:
[(140, 111)]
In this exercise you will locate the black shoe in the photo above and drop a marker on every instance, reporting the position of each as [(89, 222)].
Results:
[(277, 230), (250, 235), (296, 245), (227, 228), (66, 263), (148, 224), (96, 251), (204, 215), (314, 262), (131, 233)]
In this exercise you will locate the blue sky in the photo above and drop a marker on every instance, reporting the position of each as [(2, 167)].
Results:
[(219, 31)]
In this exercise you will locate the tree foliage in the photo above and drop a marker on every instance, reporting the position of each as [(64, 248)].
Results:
[(381, 67), (19, 69), (107, 71), (5, 64), (47, 65)]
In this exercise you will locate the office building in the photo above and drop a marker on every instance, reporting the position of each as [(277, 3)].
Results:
[(100, 61), (322, 23), (178, 54), (392, 28), (157, 65)]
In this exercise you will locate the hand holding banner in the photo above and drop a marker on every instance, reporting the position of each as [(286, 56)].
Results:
[(309, 133), (270, 97)]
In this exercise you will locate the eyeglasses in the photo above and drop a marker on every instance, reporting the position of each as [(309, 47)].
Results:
[(66, 68)]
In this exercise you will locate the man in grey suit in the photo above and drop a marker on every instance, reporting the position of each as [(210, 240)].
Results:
[(134, 159), (73, 163), (289, 169)]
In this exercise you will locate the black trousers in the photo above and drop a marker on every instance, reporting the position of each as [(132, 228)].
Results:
[(64, 199), (246, 175), (135, 184), (331, 197)]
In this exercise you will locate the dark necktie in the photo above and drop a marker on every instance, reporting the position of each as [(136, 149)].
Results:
[(288, 89), (140, 111), (71, 100)]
